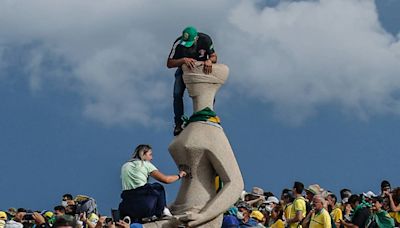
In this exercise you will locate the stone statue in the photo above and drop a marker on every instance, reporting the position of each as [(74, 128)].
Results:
[(203, 150)]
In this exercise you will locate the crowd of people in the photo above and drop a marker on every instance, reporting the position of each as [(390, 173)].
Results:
[(316, 207), (73, 212), (299, 206)]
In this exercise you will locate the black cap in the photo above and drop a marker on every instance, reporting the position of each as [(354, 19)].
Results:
[(384, 184)]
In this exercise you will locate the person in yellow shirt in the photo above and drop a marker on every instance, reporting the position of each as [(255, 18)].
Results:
[(335, 211), (286, 202), (3, 219), (318, 216), (298, 210), (394, 203), (276, 220)]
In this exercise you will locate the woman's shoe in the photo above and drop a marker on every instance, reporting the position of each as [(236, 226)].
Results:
[(166, 212)]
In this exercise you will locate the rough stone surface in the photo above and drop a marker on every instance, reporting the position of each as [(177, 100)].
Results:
[(204, 151)]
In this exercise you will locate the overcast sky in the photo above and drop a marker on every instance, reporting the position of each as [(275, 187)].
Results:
[(313, 93)]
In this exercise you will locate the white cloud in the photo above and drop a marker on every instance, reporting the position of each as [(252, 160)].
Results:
[(297, 56), (303, 55)]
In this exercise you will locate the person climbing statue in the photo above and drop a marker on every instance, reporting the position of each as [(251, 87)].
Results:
[(141, 199), (192, 46)]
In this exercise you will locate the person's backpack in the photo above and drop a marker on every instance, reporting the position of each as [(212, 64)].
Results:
[(85, 204)]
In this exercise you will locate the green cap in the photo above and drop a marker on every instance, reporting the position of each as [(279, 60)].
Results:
[(189, 35)]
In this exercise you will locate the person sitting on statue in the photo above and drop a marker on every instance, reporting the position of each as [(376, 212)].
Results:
[(141, 199)]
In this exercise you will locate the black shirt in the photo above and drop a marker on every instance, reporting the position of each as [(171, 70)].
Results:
[(360, 217), (200, 50)]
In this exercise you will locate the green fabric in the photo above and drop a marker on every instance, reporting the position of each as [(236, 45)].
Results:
[(202, 115), (383, 219), (52, 220), (364, 203)]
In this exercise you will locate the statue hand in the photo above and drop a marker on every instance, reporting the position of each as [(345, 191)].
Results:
[(194, 219)]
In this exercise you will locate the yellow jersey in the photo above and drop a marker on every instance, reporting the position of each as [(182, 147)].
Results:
[(336, 214), (278, 224), (322, 219), (299, 204)]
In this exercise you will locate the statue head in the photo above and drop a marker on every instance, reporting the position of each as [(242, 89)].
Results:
[(197, 82)]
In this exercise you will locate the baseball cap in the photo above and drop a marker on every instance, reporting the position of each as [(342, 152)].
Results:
[(189, 35), (244, 205), (272, 199), (3, 215), (257, 215), (369, 194)]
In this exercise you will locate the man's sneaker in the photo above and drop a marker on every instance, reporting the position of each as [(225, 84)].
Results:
[(178, 129)]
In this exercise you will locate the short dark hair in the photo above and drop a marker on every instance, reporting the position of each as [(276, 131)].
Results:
[(68, 196), (59, 208), (21, 210), (287, 193), (345, 193), (62, 221), (353, 199), (378, 198), (384, 184), (286, 190), (299, 187), (268, 194), (279, 210), (333, 196)]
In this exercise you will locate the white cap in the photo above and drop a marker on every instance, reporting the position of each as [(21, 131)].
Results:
[(369, 194), (272, 199)]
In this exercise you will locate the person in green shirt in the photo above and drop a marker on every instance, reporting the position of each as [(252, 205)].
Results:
[(379, 217), (141, 199)]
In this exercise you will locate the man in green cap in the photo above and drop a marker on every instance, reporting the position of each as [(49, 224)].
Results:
[(192, 46)]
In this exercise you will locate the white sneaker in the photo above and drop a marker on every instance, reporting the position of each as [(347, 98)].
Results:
[(166, 212), (127, 219)]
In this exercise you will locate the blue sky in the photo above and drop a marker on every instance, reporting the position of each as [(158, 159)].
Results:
[(313, 93)]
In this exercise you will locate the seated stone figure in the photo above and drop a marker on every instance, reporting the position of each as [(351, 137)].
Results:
[(203, 151)]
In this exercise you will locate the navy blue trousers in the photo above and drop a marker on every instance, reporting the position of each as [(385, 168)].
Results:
[(143, 202)]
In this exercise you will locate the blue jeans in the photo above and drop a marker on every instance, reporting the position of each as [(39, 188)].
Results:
[(179, 89)]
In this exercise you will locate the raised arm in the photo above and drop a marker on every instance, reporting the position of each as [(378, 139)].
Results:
[(393, 206), (167, 179)]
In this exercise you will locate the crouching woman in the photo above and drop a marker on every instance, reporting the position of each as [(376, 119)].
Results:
[(141, 199)]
